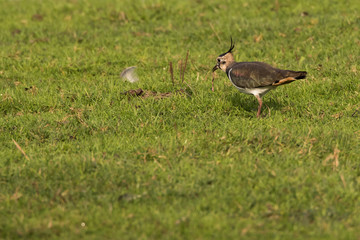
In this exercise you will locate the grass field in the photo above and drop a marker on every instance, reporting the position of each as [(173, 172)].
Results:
[(81, 160)]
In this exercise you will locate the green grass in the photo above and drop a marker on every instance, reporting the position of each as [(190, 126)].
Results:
[(100, 165)]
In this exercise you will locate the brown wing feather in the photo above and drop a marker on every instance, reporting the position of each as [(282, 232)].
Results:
[(284, 81), (259, 74)]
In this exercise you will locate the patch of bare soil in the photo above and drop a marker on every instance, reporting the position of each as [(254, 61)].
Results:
[(157, 95)]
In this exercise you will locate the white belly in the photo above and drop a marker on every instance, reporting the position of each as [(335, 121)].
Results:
[(260, 91)]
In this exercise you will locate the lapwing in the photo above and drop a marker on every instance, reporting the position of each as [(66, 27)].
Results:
[(256, 78)]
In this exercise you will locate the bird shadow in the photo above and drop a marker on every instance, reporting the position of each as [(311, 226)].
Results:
[(250, 104)]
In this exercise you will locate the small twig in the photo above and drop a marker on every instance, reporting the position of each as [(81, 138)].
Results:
[(355, 112), (212, 27), (21, 150), (171, 73), (183, 71)]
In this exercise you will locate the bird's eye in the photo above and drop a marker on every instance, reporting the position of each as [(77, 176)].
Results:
[(218, 60)]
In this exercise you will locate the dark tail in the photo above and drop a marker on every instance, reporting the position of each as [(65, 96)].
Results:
[(297, 74)]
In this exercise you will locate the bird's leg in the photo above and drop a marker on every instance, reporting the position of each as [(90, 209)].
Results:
[(260, 105)]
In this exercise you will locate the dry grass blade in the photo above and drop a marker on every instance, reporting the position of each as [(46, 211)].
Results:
[(21, 150), (343, 180), (277, 6), (217, 36), (333, 156), (336, 158)]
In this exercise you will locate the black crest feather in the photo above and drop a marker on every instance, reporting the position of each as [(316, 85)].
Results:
[(232, 45)]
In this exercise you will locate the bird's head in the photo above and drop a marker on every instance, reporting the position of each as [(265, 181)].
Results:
[(225, 59)]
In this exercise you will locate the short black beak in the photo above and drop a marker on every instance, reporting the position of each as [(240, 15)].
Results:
[(215, 68)]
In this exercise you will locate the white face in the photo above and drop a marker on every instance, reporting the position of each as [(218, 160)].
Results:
[(221, 63)]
